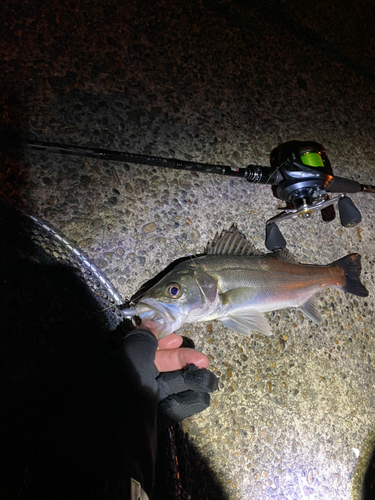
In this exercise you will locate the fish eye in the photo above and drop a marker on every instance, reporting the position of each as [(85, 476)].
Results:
[(174, 290)]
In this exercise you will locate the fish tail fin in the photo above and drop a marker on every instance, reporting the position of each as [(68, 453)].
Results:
[(351, 264)]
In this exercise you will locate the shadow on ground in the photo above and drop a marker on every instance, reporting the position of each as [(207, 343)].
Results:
[(56, 424)]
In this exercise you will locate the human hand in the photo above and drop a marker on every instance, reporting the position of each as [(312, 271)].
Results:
[(169, 356), (161, 385), (176, 376)]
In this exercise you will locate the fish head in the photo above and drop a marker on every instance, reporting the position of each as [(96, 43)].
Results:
[(185, 294)]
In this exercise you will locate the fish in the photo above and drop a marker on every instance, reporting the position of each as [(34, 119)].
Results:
[(236, 284)]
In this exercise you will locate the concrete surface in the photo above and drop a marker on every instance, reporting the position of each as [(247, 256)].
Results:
[(220, 82)]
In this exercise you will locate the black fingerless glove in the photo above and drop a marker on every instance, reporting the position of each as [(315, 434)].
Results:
[(178, 394)]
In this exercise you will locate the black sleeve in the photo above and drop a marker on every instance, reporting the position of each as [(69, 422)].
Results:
[(133, 398)]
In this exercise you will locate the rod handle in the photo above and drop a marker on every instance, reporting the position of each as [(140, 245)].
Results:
[(342, 185)]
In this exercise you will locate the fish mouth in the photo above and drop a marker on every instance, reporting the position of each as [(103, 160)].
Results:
[(167, 317)]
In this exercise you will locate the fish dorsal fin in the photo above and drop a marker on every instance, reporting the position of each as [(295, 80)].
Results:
[(230, 242), (284, 255)]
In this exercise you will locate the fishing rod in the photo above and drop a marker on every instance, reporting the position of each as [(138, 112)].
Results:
[(300, 175)]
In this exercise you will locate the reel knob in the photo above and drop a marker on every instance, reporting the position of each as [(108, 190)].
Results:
[(350, 216), (274, 239)]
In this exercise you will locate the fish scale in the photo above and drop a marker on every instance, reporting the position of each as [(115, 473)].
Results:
[(234, 284), (233, 271)]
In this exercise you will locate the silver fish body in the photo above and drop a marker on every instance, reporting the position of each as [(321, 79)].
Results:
[(235, 286)]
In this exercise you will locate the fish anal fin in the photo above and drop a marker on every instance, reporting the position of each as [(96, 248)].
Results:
[(247, 320), (310, 310)]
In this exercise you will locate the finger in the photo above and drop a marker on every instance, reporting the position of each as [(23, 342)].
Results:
[(183, 405), (167, 360), (172, 341), (190, 378), (149, 325)]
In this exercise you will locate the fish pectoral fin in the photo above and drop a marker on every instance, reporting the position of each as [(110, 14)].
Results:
[(310, 310), (247, 320)]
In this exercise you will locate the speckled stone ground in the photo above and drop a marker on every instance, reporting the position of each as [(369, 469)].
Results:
[(220, 82)]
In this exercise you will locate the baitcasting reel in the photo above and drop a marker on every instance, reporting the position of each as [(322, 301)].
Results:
[(300, 174), (302, 177)]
